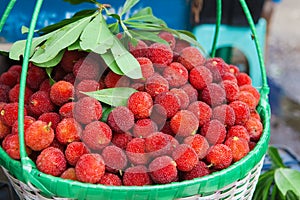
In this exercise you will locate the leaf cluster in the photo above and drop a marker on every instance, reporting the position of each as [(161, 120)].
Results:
[(278, 183)]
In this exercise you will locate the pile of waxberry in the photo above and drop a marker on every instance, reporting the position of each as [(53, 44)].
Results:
[(190, 116)]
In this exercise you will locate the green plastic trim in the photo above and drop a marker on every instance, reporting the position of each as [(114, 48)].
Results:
[(6, 13), (217, 31)]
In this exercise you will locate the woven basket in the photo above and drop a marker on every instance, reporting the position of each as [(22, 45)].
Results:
[(235, 182)]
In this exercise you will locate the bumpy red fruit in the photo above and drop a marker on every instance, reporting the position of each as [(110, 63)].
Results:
[(68, 130), (239, 147), (160, 54), (140, 104), (137, 176), (121, 139), (87, 110), (163, 170), (199, 170), (90, 168), (144, 127), (67, 109), (198, 143), (157, 144), (69, 174), (238, 131), (11, 146), (9, 78), (4, 93), (220, 156), (213, 94), (86, 86), (146, 67), (9, 113), (200, 77), (112, 80), (96, 135), (231, 89), (241, 110), (191, 92), (136, 151), (28, 120), (61, 92), (183, 98), (87, 68), (115, 158), (252, 90), (168, 37), (191, 57), (50, 117), (14, 94), (201, 110), (51, 161), (39, 135), (169, 103), (35, 76), (214, 131), (74, 150), (243, 79), (225, 114), (110, 179), (4, 129), (120, 119), (156, 84), (184, 123), (176, 74), (185, 157), (139, 50), (248, 98), (254, 128), (218, 68), (69, 59), (39, 103)]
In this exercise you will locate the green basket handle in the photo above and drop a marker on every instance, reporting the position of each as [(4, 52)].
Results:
[(6, 13)]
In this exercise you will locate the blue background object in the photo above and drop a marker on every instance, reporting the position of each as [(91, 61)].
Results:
[(174, 13)]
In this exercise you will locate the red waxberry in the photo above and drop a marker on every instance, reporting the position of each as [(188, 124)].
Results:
[(252, 145), (225, 114), (110, 179), (183, 98), (67, 109), (86, 86), (254, 128), (4, 93), (139, 50), (243, 79), (120, 119), (200, 77), (69, 174), (137, 176), (39, 103), (87, 68), (11, 146), (238, 131), (69, 59), (158, 144), (140, 104), (176, 74), (17, 68), (199, 170), (191, 57), (169, 102), (255, 114), (163, 170), (213, 94), (28, 120), (9, 113), (58, 73), (234, 69), (114, 157), (156, 84), (144, 127), (90, 168), (87, 109), (248, 98), (217, 67), (198, 143), (231, 89), (220, 156), (168, 37), (136, 152), (69, 78), (61, 92), (179, 45), (51, 117), (39, 135), (146, 67), (14, 94), (160, 54), (9, 78), (239, 147), (45, 86), (112, 80), (68, 130), (167, 129), (228, 76), (184, 123), (35, 76), (51, 161), (214, 131), (241, 110), (4, 130), (201, 110), (252, 90), (121, 139), (191, 92), (96, 135), (74, 150), (185, 157)]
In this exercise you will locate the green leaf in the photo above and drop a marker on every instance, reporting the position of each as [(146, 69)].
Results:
[(53, 62), (112, 96), (75, 46), (290, 195), (49, 71), (188, 33), (24, 29), (114, 28), (18, 47), (4, 53), (145, 15), (96, 36), (77, 16), (111, 62), (275, 157), (126, 61), (147, 35), (128, 5), (287, 179), (105, 112), (263, 186), (64, 37), (79, 1)]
